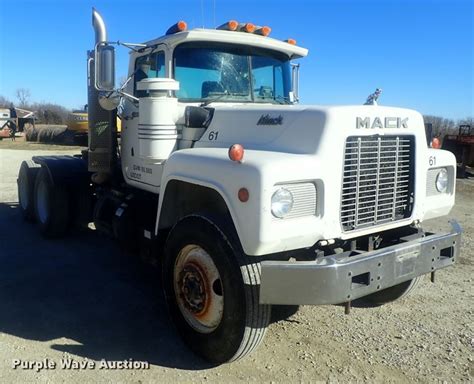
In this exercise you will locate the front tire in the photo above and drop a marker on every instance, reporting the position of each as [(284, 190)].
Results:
[(51, 206), (212, 291), (393, 293)]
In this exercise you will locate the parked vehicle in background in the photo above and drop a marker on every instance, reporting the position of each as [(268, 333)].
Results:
[(5, 129), (462, 145), (78, 124)]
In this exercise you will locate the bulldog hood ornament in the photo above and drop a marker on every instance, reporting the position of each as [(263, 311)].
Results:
[(372, 99)]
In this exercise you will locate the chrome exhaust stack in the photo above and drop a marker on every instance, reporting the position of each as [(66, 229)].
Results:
[(102, 123), (99, 27)]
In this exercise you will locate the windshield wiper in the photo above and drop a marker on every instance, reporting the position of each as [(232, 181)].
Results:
[(225, 93), (282, 100), (207, 102)]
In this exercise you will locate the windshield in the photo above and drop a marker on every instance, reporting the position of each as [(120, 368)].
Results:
[(208, 72)]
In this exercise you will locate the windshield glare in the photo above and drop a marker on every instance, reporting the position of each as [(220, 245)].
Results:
[(238, 73)]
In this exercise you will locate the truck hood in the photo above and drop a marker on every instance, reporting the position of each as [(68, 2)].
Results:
[(303, 129)]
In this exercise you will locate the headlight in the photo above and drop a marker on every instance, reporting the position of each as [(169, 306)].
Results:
[(442, 180), (282, 202)]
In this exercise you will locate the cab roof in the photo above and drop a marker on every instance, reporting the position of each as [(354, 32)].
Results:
[(230, 37)]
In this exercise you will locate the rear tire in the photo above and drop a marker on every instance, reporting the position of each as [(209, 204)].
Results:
[(26, 188), (212, 290), (51, 206), (393, 293)]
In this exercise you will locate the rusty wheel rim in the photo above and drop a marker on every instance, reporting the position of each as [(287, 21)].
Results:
[(198, 289)]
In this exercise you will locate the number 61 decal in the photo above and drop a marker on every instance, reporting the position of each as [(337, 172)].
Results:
[(432, 161), (213, 135)]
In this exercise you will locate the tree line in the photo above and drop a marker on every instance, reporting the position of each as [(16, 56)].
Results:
[(49, 113), (46, 113), (442, 126)]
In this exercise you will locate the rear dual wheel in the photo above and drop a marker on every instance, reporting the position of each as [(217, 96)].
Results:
[(51, 205), (212, 290), (26, 188)]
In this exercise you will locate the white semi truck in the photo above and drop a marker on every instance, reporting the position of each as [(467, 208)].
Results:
[(246, 198)]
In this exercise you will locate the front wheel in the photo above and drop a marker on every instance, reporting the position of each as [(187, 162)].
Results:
[(212, 291), (393, 293)]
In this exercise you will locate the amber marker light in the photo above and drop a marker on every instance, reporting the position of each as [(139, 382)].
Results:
[(264, 31), (182, 26), (236, 152), (435, 143), (243, 195), (291, 41), (249, 27), (232, 25)]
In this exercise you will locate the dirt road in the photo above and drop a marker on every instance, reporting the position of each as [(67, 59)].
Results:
[(82, 299)]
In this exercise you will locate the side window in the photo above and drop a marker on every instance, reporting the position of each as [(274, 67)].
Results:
[(268, 79), (263, 86), (148, 66)]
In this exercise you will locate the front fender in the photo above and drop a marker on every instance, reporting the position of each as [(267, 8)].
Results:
[(211, 168), (439, 204)]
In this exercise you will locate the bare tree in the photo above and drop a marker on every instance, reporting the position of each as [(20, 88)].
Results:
[(23, 96), (441, 125), (48, 113), (4, 102), (467, 121)]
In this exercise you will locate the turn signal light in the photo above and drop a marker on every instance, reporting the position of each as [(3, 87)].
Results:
[(264, 31), (236, 152), (435, 143), (291, 41), (248, 27)]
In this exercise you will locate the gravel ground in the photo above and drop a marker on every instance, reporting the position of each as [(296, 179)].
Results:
[(81, 299)]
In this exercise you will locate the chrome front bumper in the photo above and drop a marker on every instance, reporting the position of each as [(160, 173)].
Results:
[(347, 276)]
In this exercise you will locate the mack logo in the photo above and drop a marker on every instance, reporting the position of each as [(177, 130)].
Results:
[(388, 122), (270, 120)]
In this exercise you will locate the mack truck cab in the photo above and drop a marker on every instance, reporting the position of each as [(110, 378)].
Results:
[(246, 198)]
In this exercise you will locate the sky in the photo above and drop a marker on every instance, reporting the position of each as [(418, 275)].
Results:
[(420, 52)]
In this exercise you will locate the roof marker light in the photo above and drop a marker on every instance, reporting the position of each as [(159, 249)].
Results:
[(264, 31), (248, 27), (291, 41), (231, 25), (180, 26)]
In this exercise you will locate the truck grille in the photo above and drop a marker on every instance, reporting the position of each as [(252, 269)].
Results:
[(377, 185)]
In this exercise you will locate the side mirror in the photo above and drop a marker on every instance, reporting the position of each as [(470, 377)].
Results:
[(295, 82), (109, 100), (104, 67)]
